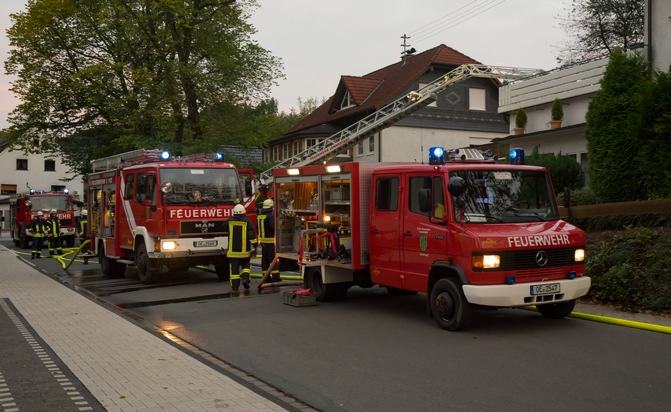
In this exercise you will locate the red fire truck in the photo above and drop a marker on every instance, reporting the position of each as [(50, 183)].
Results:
[(23, 208), (161, 213), (467, 231)]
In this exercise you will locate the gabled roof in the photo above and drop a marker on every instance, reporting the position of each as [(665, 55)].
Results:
[(376, 89)]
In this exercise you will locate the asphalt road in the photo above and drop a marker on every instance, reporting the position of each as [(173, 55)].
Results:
[(378, 352)]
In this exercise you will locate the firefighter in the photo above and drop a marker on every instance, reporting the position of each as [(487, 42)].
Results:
[(55, 236), (83, 229), (242, 245), (266, 226), (40, 229)]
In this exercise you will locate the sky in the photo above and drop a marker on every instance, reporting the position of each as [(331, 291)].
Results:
[(320, 40)]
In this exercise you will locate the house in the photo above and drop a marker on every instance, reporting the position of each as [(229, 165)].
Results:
[(657, 34), (20, 171), (464, 114)]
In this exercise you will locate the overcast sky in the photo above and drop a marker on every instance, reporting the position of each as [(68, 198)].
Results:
[(320, 40)]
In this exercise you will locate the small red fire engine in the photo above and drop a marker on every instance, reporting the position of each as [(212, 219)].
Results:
[(23, 208), (162, 213), (467, 231)]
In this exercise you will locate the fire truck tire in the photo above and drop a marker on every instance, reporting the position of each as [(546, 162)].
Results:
[(326, 292), (222, 270), (145, 270), (110, 267), (557, 310), (449, 306)]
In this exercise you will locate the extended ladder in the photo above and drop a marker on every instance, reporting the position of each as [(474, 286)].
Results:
[(394, 111)]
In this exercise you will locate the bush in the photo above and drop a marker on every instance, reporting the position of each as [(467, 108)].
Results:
[(631, 268), (521, 118), (557, 110)]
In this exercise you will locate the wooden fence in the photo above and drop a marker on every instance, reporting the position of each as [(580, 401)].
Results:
[(642, 207)]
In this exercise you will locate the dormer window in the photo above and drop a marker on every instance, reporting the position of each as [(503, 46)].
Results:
[(347, 101)]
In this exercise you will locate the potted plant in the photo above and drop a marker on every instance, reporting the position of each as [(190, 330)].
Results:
[(520, 121), (557, 114)]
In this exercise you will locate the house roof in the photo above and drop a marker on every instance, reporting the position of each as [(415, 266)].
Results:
[(374, 90)]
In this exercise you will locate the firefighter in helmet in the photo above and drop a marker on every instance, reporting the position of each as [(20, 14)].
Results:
[(266, 226), (83, 229), (242, 245), (40, 229), (55, 236)]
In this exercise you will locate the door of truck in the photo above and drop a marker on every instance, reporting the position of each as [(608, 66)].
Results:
[(385, 231), (424, 232)]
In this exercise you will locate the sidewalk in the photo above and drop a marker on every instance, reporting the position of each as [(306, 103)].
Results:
[(124, 366)]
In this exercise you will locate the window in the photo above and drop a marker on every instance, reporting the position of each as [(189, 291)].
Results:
[(438, 198), (276, 153), (347, 101), (297, 147), (49, 165), (420, 195), (130, 186), (58, 189), (360, 147), (21, 164), (476, 99), (287, 153), (386, 194), (7, 189), (371, 144)]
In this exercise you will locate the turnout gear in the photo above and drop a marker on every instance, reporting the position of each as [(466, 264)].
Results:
[(241, 237), (83, 229), (55, 237), (40, 229), (266, 225)]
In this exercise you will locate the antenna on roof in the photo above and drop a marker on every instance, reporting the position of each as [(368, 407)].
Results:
[(406, 50)]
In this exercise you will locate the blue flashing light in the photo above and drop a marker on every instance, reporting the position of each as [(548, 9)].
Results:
[(516, 156), (571, 274), (66, 190), (436, 155), (218, 157), (510, 280), (165, 155), (32, 191)]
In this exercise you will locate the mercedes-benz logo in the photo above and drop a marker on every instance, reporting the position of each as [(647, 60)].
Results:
[(541, 258)]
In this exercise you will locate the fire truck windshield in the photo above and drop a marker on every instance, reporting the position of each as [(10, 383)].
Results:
[(47, 203), (193, 186), (504, 196)]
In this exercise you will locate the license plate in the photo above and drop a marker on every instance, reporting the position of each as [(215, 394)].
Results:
[(546, 289), (205, 243)]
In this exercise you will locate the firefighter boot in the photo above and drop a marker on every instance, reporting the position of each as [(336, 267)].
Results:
[(52, 253), (275, 276), (32, 255)]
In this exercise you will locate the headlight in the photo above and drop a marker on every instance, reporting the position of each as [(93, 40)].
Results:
[(579, 255), (169, 245), (486, 262)]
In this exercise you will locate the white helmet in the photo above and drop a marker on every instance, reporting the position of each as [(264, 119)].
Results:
[(239, 210), (40, 213), (53, 211), (85, 212), (268, 204)]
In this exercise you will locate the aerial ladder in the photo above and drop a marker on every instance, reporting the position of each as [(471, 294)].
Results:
[(395, 111)]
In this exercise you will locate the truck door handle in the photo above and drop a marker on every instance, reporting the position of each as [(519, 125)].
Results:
[(408, 234), (374, 231)]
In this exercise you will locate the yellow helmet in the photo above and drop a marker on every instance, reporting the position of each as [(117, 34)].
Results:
[(85, 212), (268, 204)]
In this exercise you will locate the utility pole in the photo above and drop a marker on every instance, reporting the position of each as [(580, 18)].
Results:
[(406, 52)]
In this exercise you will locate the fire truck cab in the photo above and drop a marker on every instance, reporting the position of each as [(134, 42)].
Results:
[(23, 208), (161, 213)]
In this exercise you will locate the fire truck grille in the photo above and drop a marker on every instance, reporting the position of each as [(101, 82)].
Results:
[(537, 262), (67, 222), (202, 226)]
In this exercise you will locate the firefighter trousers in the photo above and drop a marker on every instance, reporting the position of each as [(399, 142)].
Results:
[(240, 271), (38, 245), (267, 257), (55, 245)]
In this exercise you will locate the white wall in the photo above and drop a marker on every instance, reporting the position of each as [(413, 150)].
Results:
[(658, 26)]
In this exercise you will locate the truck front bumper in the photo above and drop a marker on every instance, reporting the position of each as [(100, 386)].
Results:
[(520, 294)]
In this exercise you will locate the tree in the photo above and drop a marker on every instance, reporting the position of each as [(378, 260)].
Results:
[(598, 27), (612, 130), (140, 72), (564, 170)]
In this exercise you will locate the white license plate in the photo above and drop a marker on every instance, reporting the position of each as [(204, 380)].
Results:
[(205, 243), (545, 289)]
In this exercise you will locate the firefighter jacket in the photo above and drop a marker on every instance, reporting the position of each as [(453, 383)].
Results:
[(241, 237), (83, 227), (54, 225), (266, 225), (39, 227)]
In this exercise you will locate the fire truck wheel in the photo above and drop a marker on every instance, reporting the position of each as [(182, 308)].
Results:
[(449, 306), (145, 271), (326, 292), (221, 268), (110, 267), (556, 310)]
